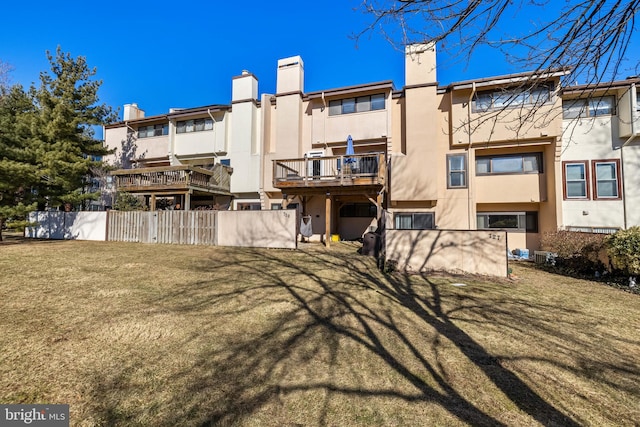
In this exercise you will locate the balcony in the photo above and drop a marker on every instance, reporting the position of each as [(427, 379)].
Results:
[(174, 178), (358, 170)]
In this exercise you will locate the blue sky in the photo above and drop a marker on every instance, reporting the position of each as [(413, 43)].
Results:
[(184, 54)]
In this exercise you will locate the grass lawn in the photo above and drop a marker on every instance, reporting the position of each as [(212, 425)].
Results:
[(166, 335)]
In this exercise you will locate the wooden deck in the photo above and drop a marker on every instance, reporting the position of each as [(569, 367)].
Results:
[(360, 170), (179, 179)]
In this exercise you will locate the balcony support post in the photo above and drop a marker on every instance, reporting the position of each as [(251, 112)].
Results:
[(327, 238), (187, 201)]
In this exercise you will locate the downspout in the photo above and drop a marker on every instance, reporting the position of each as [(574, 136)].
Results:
[(468, 165), (324, 122)]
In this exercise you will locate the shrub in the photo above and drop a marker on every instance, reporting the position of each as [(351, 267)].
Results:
[(624, 250), (582, 252), (128, 202)]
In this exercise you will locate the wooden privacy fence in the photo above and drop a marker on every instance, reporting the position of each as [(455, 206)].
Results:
[(259, 229), (179, 227)]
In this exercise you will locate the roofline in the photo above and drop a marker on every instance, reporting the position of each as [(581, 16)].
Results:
[(168, 116), (507, 79), (601, 85), (198, 110), (156, 118), (385, 84)]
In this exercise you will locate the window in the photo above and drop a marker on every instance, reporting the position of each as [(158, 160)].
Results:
[(357, 105), (197, 125), (456, 171), (414, 221), (153, 130), (606, 180), (249, 206), (637, 98), (225, 162), (593, 107), (276, 206), (509, 163), (509, 98), (358, 210), (575, 180), (517, 221)]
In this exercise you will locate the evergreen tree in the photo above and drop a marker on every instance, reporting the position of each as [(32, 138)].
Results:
[(19, 172), (48, 153), (67, 107)]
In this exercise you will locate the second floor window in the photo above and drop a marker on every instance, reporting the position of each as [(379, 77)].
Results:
[(510, 98), (593, 107), (357, 105), (509, 164), (153, 130), (197, 125)]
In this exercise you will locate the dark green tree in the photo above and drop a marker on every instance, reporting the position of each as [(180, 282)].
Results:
[(19, 172), (68, 107)]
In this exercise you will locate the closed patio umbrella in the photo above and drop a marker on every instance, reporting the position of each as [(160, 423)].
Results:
[(350, 152)]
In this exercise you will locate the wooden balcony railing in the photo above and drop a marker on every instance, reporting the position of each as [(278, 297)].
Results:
[(180, 178), (331, 171)]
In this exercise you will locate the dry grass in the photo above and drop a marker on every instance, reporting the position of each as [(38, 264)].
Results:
[(132, 334)]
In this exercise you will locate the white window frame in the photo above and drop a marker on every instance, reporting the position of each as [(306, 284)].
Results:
[(451, 171), (597, 180), (566, 180)]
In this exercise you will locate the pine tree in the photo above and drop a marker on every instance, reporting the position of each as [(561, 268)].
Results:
[(67, 107), (48, 153), (19, 172)]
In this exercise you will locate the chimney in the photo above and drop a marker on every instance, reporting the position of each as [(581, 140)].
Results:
[(132, 112), (420, 64), (244, 87), (290, 75)]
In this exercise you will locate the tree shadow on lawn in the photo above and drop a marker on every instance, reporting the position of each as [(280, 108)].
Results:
[(321, 324)]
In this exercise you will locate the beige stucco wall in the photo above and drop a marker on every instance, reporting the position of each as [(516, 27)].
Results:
[(266, 229), (361, 126), (593, 139), (511, 188), (475, 252), (113, 138), (506, 125), (414, 175), (631, 166), (153, 147), (197, 144)]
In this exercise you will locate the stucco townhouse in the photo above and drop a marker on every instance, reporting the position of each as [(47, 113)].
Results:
[(503, 152)]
